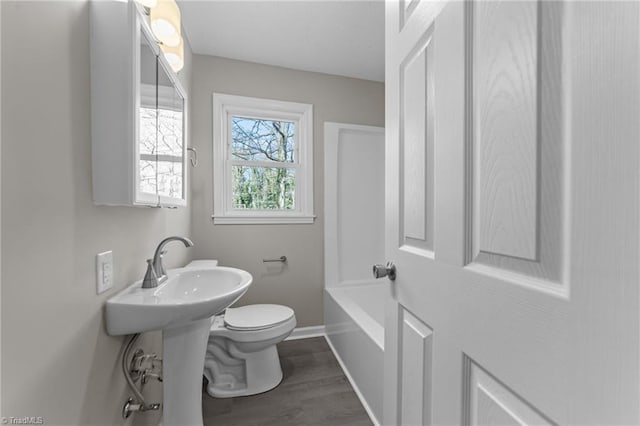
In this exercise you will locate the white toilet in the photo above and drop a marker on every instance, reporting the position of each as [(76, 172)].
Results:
[(242, 358)]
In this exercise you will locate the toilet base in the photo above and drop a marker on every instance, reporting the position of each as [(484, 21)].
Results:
[(261, 372)]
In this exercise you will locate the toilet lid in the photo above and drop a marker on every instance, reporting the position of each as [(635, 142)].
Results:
[(256, 317)]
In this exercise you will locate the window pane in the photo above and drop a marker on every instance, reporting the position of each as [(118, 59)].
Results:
[(263, 188), (148, 176), (169, 132), (262, 140), (170, 179), (148, 130)]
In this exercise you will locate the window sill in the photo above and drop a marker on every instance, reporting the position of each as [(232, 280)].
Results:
[(262, 220)]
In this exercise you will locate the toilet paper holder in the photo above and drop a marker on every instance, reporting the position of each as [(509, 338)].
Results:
[(282, 259)]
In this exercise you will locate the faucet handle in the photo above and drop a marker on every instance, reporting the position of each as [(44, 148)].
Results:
[(150, 278)]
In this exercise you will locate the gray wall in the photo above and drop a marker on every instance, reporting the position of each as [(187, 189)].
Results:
[(57, 360), (0, 212), (298, 284)]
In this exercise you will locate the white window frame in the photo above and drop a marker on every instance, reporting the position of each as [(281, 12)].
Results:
[(224, 107)]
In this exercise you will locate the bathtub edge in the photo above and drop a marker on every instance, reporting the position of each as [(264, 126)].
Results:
[(353, 383)]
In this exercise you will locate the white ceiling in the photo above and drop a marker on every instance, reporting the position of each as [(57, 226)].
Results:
[(342, 37)]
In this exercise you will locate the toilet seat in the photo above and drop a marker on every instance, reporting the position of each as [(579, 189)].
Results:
[(256, 317)]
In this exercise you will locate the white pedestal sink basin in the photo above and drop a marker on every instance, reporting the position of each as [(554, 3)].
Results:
[(181, 307)]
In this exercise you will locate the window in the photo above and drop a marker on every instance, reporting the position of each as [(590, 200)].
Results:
[(263, 161)]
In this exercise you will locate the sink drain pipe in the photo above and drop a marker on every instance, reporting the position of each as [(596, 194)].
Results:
[(137, 403)]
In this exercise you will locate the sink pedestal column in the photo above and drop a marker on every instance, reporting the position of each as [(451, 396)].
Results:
[(183, 354)]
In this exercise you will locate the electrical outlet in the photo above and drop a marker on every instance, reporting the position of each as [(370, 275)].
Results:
[(104, 271)]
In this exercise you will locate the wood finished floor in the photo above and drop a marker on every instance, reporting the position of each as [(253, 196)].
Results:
[(314, 391)]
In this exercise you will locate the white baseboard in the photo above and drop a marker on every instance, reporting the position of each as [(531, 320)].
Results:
[(372, 416), (306, 332)]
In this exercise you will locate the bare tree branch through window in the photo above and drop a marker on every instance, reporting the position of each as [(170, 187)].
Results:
[(265, 141)]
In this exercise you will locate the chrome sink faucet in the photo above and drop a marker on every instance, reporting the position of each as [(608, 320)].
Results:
[(155, 269)]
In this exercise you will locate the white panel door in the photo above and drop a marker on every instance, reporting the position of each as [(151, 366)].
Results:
[(513, 212)]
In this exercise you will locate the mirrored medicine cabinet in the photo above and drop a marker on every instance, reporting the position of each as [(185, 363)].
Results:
[(138, 113)]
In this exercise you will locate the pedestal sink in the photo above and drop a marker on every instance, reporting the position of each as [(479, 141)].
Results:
[(181, 307)]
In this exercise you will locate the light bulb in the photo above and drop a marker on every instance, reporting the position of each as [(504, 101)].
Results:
[(165, 22), (174, 55)]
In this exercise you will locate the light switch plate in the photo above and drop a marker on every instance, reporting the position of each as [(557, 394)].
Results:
[(104, 271)]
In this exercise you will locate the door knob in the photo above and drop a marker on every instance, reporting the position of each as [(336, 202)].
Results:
[(381, 271)]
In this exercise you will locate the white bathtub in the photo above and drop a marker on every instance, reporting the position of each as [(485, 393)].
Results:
[(353, 241), (354, 321)]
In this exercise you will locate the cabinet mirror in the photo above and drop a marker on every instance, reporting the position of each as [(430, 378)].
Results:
[(160, 130), (138, 112)]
